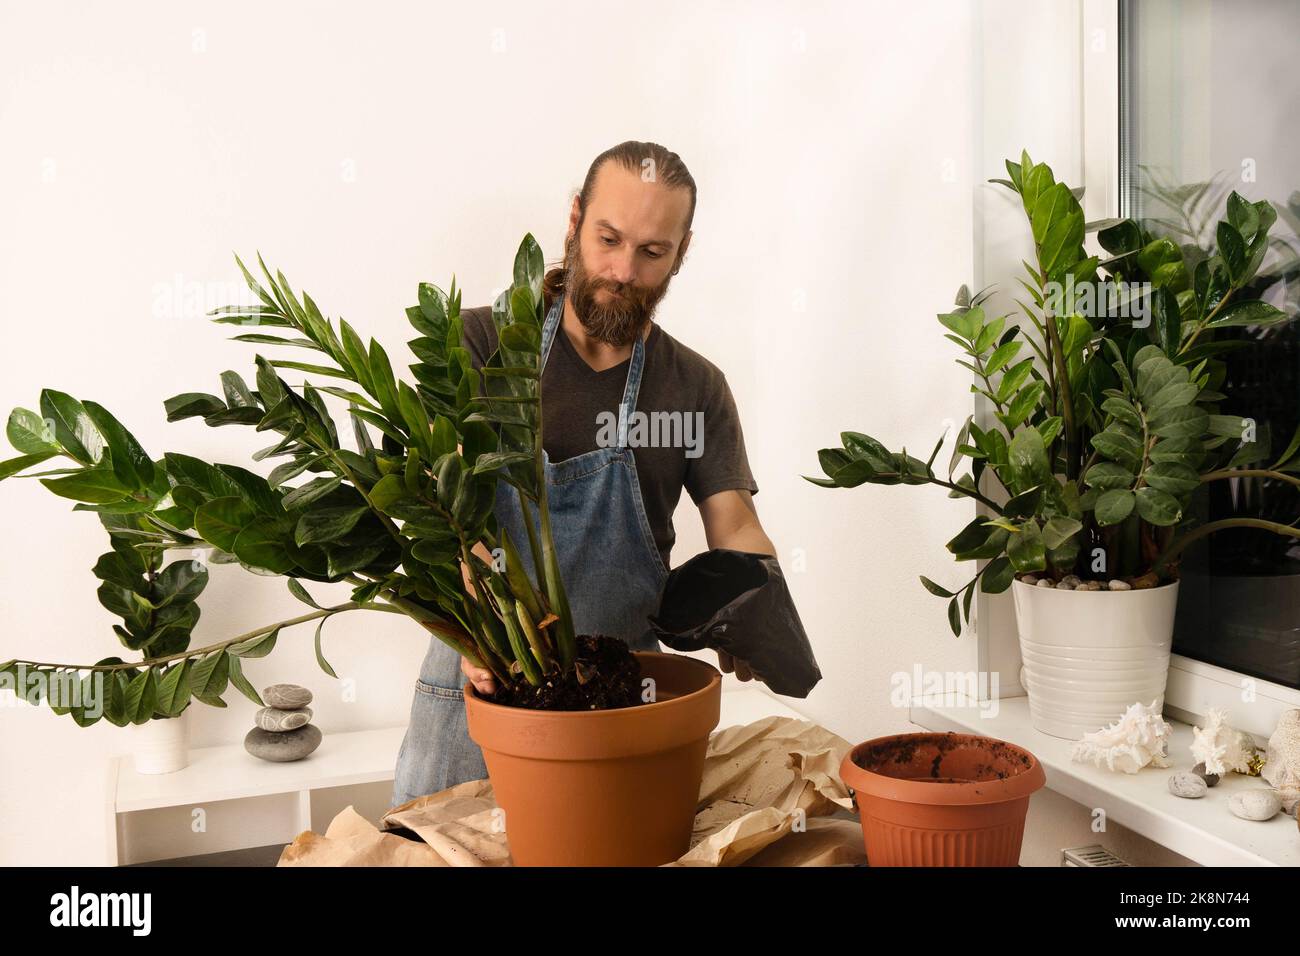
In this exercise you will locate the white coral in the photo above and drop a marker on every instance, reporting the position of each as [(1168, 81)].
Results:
[(1282, 768), (1135, 740), (1219, 747)]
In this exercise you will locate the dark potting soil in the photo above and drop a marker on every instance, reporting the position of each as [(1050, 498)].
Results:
[(606, 676)]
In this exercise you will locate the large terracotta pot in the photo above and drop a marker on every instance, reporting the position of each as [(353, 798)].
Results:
[(942, 799), (1089, 655), (602, 787)]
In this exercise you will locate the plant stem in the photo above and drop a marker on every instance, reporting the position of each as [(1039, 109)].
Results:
[(1206, 321), (154, 661), (1066, 400), (1250, 473), (1177, 546)]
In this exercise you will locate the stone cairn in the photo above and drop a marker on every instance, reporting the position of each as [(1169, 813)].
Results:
[(283, 730)]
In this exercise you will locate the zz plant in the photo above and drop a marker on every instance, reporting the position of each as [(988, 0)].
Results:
[(1106, 418), (400, 516)]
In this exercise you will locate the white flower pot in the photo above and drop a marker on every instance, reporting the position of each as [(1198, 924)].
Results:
[(1088, 655), (162, 746)]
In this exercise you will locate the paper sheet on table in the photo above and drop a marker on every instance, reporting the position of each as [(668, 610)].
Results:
[(768, 791)]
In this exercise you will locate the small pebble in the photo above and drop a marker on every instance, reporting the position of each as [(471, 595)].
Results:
[(1119, 586), (1089, 586), (1255, 804), (286, 696), (1072, 580), (1064, 585), (1046, 583), (1210, 778), (1030, 579), (1187, 785)]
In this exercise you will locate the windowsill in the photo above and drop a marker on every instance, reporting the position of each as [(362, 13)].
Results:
[(1203, 830)]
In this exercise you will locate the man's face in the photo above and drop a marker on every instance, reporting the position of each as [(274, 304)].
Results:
[(620, 260)]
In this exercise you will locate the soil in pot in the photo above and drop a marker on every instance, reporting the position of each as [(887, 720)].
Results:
[(942, 799), (605, 676)]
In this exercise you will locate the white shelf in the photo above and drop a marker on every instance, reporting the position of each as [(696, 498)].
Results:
[(1203, 830), (229, 772)]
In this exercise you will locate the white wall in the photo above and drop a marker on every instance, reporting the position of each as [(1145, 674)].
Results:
[(836, 155)]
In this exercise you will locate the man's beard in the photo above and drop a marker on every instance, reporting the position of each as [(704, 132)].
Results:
[(617, 322)]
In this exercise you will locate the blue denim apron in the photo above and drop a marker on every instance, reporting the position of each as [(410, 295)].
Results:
[(613, 575)]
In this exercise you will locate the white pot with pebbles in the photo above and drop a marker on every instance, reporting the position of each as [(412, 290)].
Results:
[(1090, 649)]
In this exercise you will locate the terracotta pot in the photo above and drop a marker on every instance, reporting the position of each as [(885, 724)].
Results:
[(602, 787), (942, 799)]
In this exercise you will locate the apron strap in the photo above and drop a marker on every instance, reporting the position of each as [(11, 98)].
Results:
[(630, 391)]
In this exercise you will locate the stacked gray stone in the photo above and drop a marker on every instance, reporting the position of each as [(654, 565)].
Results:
[(284, 729)]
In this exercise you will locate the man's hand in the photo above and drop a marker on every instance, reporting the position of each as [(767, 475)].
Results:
[(729, 665), (480, 677)]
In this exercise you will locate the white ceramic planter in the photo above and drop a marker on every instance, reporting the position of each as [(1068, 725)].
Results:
[(1088, 655), (162, 746)]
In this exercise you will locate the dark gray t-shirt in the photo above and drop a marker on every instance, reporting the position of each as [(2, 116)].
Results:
[(701, 447)]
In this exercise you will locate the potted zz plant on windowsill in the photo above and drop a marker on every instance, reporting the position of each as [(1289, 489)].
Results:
[(1105, 426), (400, 521)]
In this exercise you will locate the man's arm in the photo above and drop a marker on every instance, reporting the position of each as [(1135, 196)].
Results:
[(731, 521)]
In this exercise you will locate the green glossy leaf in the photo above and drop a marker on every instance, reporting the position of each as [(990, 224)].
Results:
[(1114, 506), (997, 576), (263, 544), (1058, 530), (1173, 478), (1253, 312), (1183, 422), (241, 682), (312, 491), (258, 646), (328, 524), (320, 656), (15, 465), (1107, 475), (220, 521), (92, 485), (1157, 507), (30, 434), (209, 675), (73, 428), (1026, 549), (174, 688)]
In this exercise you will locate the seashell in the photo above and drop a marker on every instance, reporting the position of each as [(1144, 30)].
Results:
[(1137, 739), (1219, 747)]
